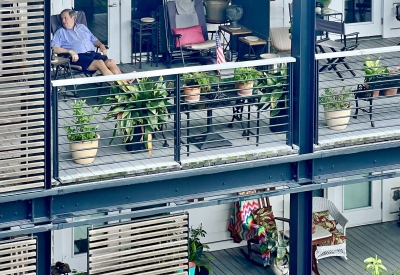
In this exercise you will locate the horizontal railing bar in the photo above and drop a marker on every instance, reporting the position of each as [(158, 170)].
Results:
[(174, 71), (391, 49)]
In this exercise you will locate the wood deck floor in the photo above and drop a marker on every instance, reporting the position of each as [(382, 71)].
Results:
[(362, 242)]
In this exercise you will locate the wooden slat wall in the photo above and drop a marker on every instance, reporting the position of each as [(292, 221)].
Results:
[(21, 95), (155, 246), (18, 257)]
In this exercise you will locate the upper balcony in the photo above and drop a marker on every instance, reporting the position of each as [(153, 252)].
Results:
[(152, 126)]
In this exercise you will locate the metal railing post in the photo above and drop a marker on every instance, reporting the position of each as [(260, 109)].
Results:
[(177, 120), (54, 109)]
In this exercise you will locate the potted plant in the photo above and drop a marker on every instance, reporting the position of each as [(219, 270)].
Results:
[(196, 83), (278, 246), (198, 252), (337, 106), (140, 109), (373, 69), (274, 88), (245, 78), (82, 135)]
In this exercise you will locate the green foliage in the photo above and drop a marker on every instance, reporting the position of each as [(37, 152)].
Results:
[(246, 74), (75, 272), (273, 87), (142, 104), (82, 129), (202, 79), (375, 266), (373, 68), (336, 99), (198, 252), (278, 247)]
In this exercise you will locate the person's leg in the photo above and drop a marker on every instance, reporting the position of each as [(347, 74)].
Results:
[(112, 66), (101, 66)]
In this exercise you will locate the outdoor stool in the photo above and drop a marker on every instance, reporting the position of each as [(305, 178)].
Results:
[(255, 48)]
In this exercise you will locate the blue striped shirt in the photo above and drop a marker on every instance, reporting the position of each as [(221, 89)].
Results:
[(79, 39)]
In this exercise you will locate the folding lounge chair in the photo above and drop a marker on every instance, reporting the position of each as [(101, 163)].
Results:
[(342, 45), (186, 30)]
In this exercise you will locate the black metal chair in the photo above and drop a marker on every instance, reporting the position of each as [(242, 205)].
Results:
[(344, 44), (173, 21)]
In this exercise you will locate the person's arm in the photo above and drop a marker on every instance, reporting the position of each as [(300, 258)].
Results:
[(101, 46), (58, 50)]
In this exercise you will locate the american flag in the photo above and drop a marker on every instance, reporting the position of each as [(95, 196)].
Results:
[(220, 51)]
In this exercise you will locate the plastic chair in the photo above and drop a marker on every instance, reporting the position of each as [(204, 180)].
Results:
[(174, 20)]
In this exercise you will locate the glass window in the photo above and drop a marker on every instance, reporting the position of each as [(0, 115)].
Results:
[(357, 11), (357, 195), (80, 234)]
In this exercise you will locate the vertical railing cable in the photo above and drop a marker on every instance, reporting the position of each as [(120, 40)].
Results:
[(177, 121)]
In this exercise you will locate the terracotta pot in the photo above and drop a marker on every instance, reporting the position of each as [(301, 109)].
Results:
[(192, 94), (337, 120), (245, 89), (84, 152), (391, 91)]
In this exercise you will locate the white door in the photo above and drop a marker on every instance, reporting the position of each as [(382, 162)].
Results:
[(391, 26), (360, 203), (103, 18), (363, 16), (390, 199)]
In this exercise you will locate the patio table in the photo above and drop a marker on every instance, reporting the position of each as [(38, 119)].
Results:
[(233, 33)]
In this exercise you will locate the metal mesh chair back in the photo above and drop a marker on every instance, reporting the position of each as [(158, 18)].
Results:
[(329, 26)]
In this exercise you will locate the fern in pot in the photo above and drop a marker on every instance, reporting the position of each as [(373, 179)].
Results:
[(245, 78), (337, 107), (196, 83), (139, 109), (82, 135)]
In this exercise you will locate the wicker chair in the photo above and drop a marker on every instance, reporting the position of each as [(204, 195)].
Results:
[(322, 204)]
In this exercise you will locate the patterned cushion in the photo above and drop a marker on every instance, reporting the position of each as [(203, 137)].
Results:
[(322, 218), (337, 238), (265, 218)]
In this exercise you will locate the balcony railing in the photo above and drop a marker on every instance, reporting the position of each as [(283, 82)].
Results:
[(358, 103), (152, 125)]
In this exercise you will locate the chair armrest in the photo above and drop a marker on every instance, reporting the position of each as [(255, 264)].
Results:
[(282, 219), (352, 34)]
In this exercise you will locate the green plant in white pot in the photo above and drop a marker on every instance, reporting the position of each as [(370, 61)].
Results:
[(82, 135), (278, 246), (196, 83), (245, 78), (337, 107)]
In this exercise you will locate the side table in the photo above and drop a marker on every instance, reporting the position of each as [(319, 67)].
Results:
[(143, 28), (233, 33), (61, 63), (251, 45)]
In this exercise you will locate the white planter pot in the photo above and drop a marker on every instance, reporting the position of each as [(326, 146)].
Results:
[(280, 269), (337, 120), (84, 152), (245, 89)]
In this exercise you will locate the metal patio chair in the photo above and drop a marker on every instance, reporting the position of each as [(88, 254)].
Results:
[(181, 17), (343, 45)]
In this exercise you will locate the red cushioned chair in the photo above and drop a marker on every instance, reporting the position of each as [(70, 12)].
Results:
[(186, 30)]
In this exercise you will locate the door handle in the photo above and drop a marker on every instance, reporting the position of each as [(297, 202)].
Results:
[(114, 5)]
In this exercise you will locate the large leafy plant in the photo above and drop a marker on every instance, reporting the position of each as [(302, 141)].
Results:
[(198, 252), (274, 89), (336, 99), (143, 103), (373, 68), (246, 74), (82, 128), (278, 246)]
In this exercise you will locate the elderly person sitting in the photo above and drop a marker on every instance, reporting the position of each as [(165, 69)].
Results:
[(77, 40)]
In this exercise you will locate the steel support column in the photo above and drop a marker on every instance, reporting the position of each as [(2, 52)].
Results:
[(300, 233), (43, 252), (304, 100)]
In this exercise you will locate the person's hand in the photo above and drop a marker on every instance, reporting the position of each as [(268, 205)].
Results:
[(74, 56), (103, 49)]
